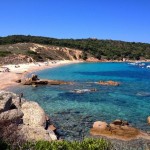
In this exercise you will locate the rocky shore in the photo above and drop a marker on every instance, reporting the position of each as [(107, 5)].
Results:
[(118, 129), (22, 120)]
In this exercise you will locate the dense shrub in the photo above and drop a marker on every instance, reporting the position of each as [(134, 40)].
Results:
[(4, 53), (86, 144), (31, 52)]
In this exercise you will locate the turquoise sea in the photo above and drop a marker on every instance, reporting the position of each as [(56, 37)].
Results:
[(74, 113)]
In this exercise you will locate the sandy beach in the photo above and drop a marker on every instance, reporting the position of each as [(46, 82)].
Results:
[(16, 72)]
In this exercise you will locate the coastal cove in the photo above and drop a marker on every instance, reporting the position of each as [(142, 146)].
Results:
[(74, 113)]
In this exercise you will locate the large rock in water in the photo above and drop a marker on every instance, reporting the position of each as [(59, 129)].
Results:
[(34, 115), (117, 130)]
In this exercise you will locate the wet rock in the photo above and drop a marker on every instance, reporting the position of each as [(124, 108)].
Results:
[(30, 81), (57, 82), (111, 83)]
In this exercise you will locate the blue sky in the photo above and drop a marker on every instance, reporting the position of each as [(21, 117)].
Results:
[(127, 20)]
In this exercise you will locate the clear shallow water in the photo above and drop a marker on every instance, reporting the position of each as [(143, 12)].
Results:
[(75, 113)]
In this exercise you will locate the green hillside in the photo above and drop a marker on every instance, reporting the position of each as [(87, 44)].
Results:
[(101, 49)]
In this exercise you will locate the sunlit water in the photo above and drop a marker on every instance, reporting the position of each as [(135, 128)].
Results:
[(74, 113)]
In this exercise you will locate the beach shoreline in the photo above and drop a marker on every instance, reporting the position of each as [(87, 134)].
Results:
[(8, 79), (20, 71)]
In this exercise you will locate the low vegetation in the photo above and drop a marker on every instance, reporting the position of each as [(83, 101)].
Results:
[(4, 53), (86, 144)]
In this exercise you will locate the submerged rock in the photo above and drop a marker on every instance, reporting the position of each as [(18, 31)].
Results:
[(143, 94), (80, 91), (112, 83)]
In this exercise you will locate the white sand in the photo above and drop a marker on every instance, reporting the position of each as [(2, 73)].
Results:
[(8, 78)]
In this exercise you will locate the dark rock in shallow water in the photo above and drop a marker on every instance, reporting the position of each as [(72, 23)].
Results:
[(60, 132), (76, 112)]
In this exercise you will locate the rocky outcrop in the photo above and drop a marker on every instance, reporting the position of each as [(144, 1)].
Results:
[(34, 115), (111, 83), (22, 120), (118, 129), (10, 115), (35, 81)]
